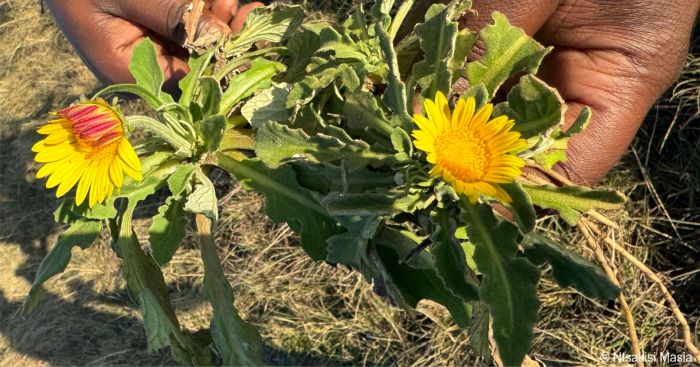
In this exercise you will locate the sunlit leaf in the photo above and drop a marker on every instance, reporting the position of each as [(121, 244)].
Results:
[(569, 269), (572, 201), (273, 23), (509, 283), (437, 37), (168, 229)]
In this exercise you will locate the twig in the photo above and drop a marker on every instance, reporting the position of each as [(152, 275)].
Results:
[(687, 334), (600, 255)]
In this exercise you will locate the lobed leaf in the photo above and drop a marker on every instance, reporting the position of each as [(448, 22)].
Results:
[(437, 36), (508, 51)]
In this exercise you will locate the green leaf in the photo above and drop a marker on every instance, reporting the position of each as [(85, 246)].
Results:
[(521, 207), (211, 130), (269, 105), (324, 178), (395, 95), (411, 282), (287, 202), (146, 71), (572, 201), (243, 85), (350, 248), (203, 200), (381, 10), (302, 45), (81, 233), (362, 111), (450, 259), (134, 89), (273, 23), (275, 143), (146, 282), (464, 43), (188, 85), (239, 342), (437, 40), (210, 96), (369, 203), (179, 180), (581, 122), (479, 331), (535, 107), (480, 94), (569, 269), (509, 283), (67, 212), (508, 51), (168, 229)]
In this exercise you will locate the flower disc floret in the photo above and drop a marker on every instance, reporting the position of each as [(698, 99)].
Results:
[(467, 149), (85, 146)]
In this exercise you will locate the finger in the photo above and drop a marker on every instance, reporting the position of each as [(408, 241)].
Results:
[(239, 19), (163, 17), (223, 9)]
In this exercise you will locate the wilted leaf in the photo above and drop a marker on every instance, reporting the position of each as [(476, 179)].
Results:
[(203, 200)]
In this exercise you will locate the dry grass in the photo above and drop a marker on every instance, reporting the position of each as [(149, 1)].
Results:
[(311, 314)]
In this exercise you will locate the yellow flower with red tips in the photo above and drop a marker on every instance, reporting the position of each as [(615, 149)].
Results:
[(85, 146), (469, 151)]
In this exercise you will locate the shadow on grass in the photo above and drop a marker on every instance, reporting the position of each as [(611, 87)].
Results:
[(79, 326)]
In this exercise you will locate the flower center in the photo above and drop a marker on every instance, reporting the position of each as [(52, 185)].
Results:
[(463, 154)]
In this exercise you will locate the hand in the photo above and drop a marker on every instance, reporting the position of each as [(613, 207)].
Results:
[(615, 56), (104, 32)]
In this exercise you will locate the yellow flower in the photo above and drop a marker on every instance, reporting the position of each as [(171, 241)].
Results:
[(85, 145), (467, 150)]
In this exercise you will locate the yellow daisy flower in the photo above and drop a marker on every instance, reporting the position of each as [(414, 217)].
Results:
[(85, 145), (468, 150)]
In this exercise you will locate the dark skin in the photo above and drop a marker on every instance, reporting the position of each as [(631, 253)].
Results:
[(616, 56)]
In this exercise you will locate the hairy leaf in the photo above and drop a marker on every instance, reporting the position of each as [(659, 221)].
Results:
[(569, 269), (369, 203), (211, 131), (437, 40), (181, 178), (395, 95), (572, 201), (210, 96), (450, 260), (415, 283), (168, 229), (146, 71), (521, 207), (535, 107), (508, 51), (243, 85), (287, 202), (203, 200), (81, 233), (273, 23), (350, 248), (275, 143), (269, 105), (239, 342), (509, 284), (146, 282), (302, 45), (188, 84)]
